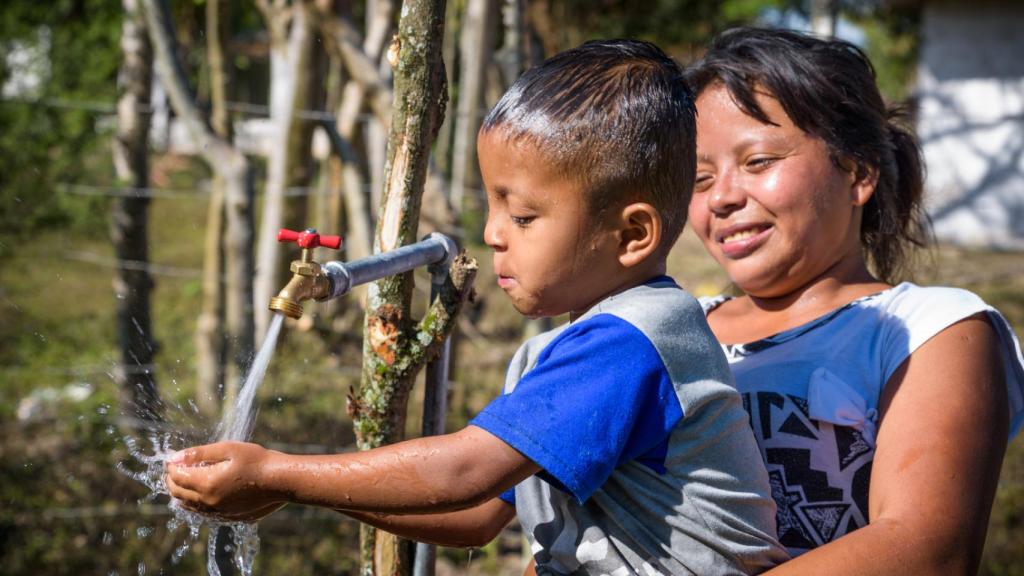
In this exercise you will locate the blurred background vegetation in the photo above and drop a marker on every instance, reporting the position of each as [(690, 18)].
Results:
[(65, 508)]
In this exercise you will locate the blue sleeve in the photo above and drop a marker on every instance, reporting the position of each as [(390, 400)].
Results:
[(509, 496), (599, 396)]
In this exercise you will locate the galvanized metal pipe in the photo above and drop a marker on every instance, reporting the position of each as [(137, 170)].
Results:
[(435, 249)]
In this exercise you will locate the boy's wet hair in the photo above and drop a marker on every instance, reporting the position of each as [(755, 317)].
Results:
[(614, 115), (827, 88)]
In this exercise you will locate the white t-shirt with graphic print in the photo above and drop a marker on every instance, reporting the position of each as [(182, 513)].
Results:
[(812, 394)]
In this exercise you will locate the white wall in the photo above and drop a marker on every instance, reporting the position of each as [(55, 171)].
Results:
[(971, 120)]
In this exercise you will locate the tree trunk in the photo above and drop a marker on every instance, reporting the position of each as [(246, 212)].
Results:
[(445, 136), (290, 49), (475, 51), (232, 167), (395, 347), (129, 227), (365, 86), (824, 16), (512, 56), (210, 344)]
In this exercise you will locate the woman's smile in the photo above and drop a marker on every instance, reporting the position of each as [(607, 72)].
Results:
[(739, 240)]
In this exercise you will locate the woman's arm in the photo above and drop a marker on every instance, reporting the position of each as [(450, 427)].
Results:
[(427, 475), (470, 528), (941, 442)]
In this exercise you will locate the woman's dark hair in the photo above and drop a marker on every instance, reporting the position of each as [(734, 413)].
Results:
[(828, 89)]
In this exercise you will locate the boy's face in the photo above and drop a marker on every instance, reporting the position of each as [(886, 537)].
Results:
[(551, 256)]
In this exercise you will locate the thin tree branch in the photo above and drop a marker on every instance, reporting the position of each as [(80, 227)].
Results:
[(345, 43), (440, 318)]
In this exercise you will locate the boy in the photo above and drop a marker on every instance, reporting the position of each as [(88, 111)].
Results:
[(627, 447)]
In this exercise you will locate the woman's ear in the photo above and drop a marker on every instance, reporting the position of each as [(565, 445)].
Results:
[(640, 233), (864, 186), (863, 180)]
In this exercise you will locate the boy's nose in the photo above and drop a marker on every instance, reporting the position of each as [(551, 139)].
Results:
[(493, 235)]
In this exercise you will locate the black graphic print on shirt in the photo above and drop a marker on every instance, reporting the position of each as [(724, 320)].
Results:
[(819, 472)]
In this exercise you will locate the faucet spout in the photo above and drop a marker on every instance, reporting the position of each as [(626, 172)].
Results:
[(308, 283)]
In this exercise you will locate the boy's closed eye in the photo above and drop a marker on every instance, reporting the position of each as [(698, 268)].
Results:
[(522, 221)]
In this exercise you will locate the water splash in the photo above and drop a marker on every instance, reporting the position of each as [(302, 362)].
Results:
[(160, 442)]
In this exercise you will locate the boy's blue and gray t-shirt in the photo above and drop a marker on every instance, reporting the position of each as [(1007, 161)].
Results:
[(648, 462)]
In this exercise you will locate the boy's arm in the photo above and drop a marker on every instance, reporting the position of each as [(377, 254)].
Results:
[(473, 527), (423, 476)]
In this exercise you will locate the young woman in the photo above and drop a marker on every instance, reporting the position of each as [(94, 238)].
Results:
[(882, 409)]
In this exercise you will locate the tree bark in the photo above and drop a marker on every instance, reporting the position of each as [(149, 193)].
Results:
[(395, 347), (233, 168), (824, 16), (475, 51), (210, 344), (512, 55), (291, 42), (365, 86), (129, 230)]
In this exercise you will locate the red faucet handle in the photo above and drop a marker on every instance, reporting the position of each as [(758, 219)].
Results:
[(308, 239)]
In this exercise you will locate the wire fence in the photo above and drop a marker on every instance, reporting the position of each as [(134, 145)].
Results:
[(241, 108)]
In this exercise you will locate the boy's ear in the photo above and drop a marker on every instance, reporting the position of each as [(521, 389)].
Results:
[(640, 233)]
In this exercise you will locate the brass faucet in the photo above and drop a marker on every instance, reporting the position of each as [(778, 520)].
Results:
[(308, 279)]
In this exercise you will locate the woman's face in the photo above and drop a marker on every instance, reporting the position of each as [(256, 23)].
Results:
[(770, 205)]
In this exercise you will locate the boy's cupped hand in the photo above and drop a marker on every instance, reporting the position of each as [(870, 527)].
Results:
[(223, 480)]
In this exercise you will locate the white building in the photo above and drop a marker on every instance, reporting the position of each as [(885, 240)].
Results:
[(971, 120)]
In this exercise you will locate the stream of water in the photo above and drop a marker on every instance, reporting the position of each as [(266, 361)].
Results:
[(236, 425)]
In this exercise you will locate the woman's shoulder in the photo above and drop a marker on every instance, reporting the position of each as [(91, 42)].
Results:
[(909, 301), (928, 311)]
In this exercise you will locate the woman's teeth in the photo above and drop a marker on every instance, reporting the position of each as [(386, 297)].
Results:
[(736, 236)]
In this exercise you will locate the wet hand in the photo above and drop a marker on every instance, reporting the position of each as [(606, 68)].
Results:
[(223, 480)]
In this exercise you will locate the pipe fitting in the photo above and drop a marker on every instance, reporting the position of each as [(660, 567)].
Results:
[(436, 250)]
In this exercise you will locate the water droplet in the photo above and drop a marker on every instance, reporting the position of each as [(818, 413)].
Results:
[(108, 538), (143, 531), (103, 409)]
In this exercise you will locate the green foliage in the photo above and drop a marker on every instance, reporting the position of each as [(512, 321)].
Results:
[(677, 25), (893, 38), (44, 144)]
